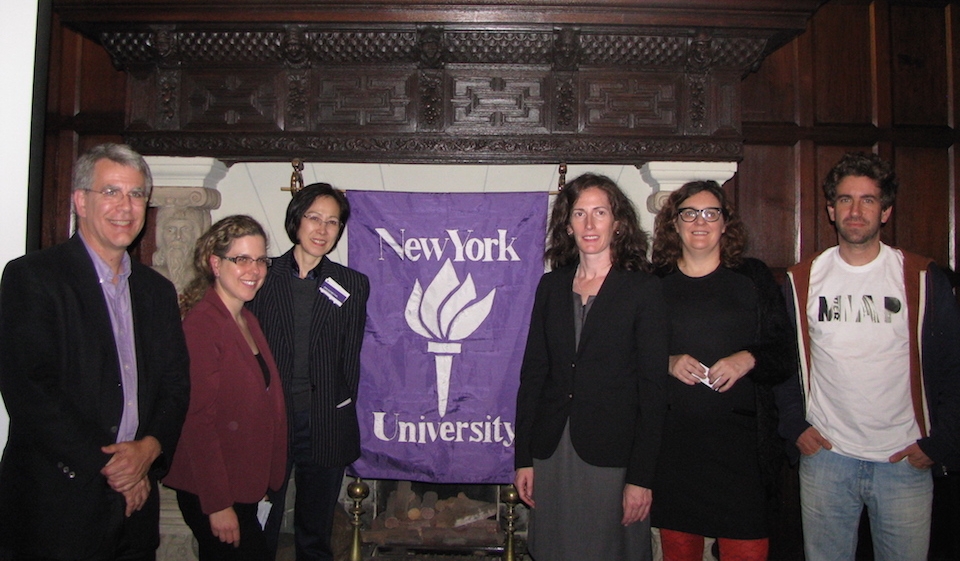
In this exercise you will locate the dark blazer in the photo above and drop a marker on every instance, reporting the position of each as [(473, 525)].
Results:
[(60, 380), (610, 389), (234, 441), (336, 334)]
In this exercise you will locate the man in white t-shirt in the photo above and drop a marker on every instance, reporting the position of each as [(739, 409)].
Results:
[(877, 401)]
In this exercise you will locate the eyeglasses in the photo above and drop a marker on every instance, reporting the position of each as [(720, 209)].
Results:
[(710, 214), (115, 195), (319, 220), (245, 260)]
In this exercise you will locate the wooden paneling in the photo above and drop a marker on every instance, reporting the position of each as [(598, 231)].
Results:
[(874, 77), (766, 200), (922, 212), (770, 95), (769, 14), (919, 65), (100, 88), (842, 64), (85, 107), (435, 93)]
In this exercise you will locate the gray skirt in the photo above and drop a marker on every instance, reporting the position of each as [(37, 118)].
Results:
[(578, 513)]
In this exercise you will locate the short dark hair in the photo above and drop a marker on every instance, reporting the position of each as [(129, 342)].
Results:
[(860, 164), (667, 246), (303, 199), (628, 249)]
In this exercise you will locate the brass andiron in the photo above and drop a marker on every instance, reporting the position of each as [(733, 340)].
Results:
[(510, 497), (357, 491)]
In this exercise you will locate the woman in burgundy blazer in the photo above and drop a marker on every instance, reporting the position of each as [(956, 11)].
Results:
[(234, 441)]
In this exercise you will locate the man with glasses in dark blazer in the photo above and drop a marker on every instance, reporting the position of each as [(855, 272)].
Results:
[(94, 373)]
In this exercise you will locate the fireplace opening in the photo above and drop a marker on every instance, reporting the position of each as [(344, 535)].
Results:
[(416, 517)]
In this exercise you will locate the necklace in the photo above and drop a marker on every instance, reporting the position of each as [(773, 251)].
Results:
[(582, 287)]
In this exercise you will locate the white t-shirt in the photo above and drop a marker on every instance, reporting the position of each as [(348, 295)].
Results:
[(860, 356)]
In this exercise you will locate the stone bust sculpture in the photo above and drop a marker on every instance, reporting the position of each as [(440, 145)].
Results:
[(177, 233)]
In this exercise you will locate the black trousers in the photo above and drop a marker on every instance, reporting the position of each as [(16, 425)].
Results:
[(318, 490), (122, 539), (253, 544)]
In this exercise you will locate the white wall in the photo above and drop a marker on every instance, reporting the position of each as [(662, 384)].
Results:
[(255, 188), (18, 28)]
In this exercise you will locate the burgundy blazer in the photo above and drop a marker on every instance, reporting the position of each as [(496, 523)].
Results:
[(234, 441)]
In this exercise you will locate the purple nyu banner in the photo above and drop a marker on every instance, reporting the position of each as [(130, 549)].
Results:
[(452, 281)]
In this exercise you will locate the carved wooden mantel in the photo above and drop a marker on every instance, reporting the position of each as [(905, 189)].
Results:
[(420, 81)]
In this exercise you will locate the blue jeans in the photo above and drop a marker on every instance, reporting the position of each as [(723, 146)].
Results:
[(833, 491)]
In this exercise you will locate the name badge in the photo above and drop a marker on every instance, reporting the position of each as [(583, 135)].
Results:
[(332, 290)]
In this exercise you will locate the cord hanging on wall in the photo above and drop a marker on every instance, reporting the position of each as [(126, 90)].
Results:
[(563, 176), (296, 178)]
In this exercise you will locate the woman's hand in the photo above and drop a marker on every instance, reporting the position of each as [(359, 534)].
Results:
[(636, 503), (686, 369), (726, 371), (225, 526), (523, 481)]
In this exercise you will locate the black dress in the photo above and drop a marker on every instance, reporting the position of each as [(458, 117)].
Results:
[(709, 479)]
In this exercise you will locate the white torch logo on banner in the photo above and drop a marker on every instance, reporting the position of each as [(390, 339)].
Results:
[(446, 312)]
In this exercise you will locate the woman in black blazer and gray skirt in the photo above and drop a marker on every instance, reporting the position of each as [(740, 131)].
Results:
[(590, 406)]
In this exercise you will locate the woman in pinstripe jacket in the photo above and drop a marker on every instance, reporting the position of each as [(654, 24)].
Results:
[(313, 312)]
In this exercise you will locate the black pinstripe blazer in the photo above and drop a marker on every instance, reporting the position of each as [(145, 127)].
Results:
[(336, 333)]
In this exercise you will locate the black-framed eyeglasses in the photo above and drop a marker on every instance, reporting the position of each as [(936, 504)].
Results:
[(710, 214), (245, 260)]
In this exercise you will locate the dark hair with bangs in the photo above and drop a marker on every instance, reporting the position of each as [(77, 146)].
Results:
[(301, 203)]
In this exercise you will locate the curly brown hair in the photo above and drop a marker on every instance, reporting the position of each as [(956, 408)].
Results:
[(667, 246), (628, 250), (215, 241), (860, 164)]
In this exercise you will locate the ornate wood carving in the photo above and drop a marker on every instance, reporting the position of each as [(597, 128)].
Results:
[(390, 88)]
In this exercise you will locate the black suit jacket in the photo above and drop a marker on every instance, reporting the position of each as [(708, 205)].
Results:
[(60, 381), (610, 389), (336, 334)]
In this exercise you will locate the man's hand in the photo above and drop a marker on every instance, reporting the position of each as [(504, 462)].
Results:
[(136, 497), (914, 455), (523, 481), (811, 440), (636, 503), (224, 525), (129, 462)]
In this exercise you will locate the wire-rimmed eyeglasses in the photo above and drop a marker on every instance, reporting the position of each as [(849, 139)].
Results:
[(246, 260), (114, 195), (710, 214)]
